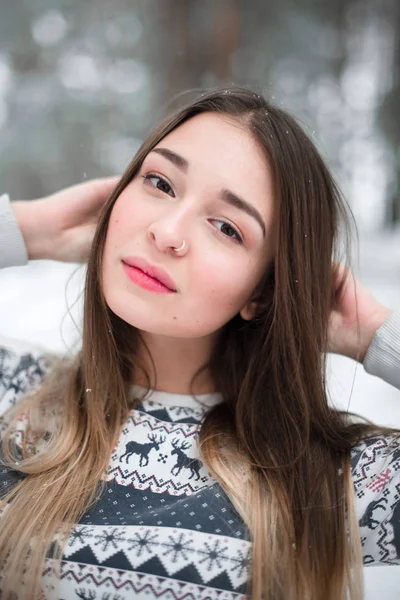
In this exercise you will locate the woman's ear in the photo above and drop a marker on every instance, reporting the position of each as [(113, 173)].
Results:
[(249, 311), (263, 291)]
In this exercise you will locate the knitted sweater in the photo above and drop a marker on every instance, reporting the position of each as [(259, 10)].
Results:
[(164, 528)]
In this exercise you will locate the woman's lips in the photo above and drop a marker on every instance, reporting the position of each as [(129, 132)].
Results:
[(145, 281), (152, 270)]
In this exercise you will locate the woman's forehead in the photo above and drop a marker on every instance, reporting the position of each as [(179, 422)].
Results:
[(222, 144)]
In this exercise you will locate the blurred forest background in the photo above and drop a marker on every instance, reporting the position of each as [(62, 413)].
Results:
[(81, 83)]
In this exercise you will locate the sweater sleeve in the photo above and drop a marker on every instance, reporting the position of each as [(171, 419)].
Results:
[(13, 251), (22, 370), (383, 355), (375, 466), (376, 461), (22, 367)]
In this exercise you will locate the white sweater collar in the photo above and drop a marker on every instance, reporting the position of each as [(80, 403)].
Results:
[(170, 399)]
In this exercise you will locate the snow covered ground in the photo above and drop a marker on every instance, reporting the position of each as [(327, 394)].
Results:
[(37, 306)]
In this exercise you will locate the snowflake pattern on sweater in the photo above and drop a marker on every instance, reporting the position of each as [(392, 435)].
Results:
[(163, 527)]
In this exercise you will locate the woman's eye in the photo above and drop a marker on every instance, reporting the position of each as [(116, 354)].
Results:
[(227, 230), (159, 183)]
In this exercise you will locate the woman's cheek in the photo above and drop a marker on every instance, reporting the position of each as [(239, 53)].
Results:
[(224, 283), (116, 223)]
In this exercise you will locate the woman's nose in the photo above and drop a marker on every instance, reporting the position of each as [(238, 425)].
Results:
[(168, 235)]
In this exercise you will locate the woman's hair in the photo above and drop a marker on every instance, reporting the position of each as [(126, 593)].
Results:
[(280, 452)]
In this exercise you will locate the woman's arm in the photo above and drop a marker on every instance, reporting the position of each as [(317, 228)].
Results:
[(13, 251), (355, 317), (383, 355), (58, 227), (364, 329)]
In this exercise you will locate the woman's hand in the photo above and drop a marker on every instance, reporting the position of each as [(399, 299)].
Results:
[(354, 301), (61, 226)]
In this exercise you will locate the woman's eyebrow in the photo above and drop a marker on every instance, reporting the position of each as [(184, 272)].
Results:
[(234, 200), (176, 159), (226, 195)]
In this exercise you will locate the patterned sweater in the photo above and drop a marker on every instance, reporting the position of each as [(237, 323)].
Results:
[(164, 528)]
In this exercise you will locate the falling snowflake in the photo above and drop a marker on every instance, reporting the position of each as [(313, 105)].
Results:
[(79, 535), (109, 537), (178, 547), (213, 555), (143, 542), (241, 562)]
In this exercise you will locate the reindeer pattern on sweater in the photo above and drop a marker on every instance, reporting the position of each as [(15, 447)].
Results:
[(164, 528)]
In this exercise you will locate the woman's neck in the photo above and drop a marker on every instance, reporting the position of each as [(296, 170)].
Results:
[(176, 361)]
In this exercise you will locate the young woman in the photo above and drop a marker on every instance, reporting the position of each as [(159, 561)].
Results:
[(189, 450)]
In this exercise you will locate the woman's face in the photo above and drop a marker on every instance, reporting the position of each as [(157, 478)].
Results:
[(209, 184)]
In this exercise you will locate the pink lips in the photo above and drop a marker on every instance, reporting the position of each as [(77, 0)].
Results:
[(147, 275)]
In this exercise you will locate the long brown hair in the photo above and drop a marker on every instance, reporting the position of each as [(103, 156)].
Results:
[(275, 445)]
